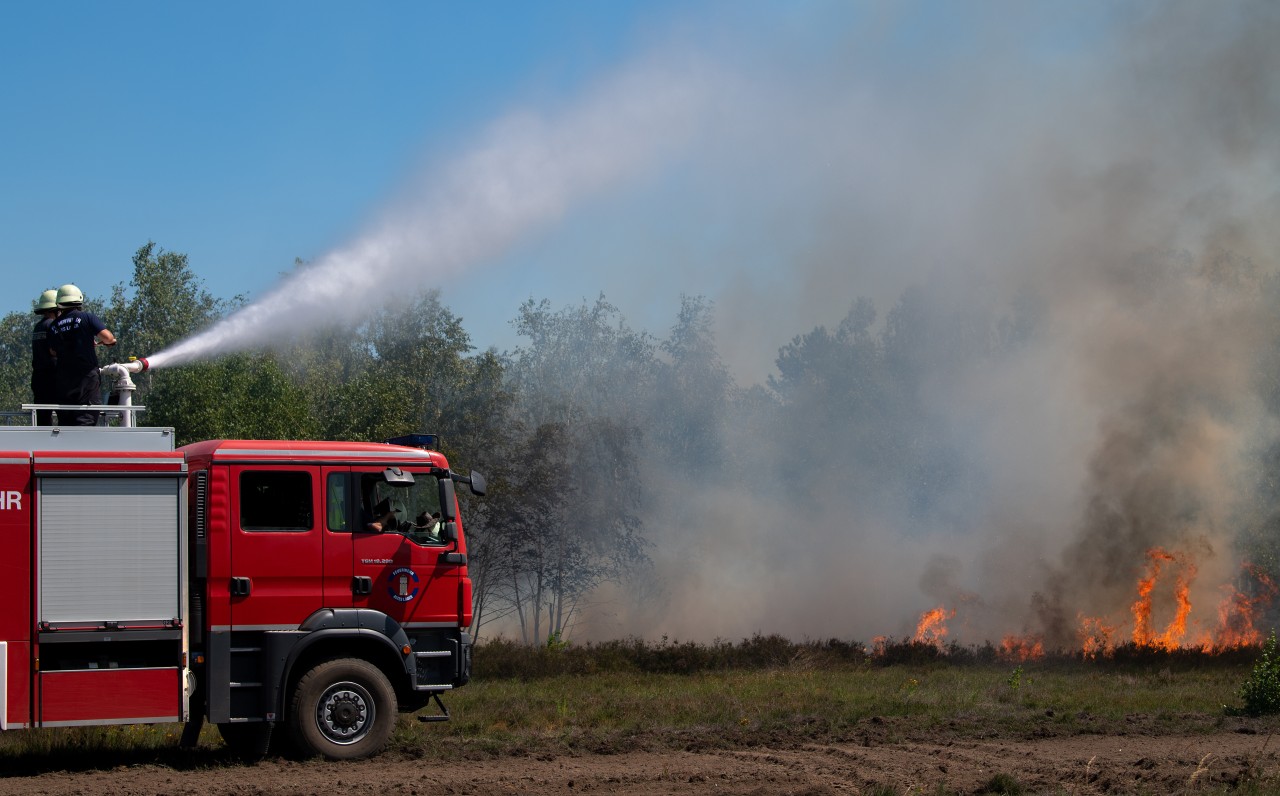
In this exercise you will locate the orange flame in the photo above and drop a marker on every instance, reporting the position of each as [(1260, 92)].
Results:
[(1238, 612), (931, 628), (1171, 638), (1095, 636), (1020, 649)]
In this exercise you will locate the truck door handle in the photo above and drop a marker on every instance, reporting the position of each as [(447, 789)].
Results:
[(361, 585), (241, 587)]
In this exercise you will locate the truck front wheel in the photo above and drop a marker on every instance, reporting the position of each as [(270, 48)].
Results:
[(343, 709)]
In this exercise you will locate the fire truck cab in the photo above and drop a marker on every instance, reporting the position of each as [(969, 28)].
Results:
[(319, 588)]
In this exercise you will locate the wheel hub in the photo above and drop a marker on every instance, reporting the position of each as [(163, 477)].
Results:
[(345, 713)]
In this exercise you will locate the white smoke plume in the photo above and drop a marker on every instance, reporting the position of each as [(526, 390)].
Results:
[(1128, 187), (527, 170)]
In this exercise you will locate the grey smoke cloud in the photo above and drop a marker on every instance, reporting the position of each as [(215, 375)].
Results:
[(1129, 188)]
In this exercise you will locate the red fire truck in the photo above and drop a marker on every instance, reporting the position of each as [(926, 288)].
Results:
[(320, 588)]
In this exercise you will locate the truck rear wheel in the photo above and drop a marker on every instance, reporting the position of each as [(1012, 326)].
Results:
[(343, 709)]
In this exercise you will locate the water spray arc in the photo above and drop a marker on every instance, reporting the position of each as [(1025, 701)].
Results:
[(528, 171)]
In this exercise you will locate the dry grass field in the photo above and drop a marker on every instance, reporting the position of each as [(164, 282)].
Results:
[(760, 716)]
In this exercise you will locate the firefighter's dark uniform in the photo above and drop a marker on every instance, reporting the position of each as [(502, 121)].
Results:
[(78, 382), (44, 370)]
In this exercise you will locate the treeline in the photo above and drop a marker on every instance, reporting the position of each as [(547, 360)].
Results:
[(559, 443), (598, 439)]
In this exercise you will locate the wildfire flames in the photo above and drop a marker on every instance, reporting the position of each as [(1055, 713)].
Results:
[(1235, 625), (932, 628), (1015, 648), (1238, 611), (1172, 636)]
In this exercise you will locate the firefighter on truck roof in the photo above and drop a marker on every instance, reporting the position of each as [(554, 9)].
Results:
[(44, 365), (75, 335)]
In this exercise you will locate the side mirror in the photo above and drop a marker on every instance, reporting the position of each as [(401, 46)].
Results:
[(477, 484), (448, 504)]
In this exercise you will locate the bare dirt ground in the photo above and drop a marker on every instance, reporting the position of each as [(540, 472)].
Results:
[(1078, 764)]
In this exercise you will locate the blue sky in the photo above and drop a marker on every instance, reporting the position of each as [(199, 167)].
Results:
[(248, 134)]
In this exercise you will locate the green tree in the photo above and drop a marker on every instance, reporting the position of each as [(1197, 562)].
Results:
[(485, 436), (874, 408), (574, 521), (163, 302), (15, 360), (580, 361), (424, 347), (239, 396), (691, 390)]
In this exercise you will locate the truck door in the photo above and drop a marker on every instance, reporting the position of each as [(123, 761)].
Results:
[(400, 567), (342, 514), (276, 549)]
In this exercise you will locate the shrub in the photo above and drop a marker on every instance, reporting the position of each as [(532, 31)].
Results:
[(1261, 692)]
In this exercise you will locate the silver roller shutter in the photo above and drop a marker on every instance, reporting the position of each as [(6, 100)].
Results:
[(109, 549)]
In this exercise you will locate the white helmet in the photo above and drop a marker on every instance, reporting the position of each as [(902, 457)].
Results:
[(70, 296), (48, 301)]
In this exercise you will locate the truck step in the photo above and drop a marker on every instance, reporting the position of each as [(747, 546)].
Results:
[(443, 711)]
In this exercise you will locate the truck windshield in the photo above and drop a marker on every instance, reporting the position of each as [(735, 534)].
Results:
[(409, 509)]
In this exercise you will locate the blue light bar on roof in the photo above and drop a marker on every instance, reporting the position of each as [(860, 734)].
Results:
[(429, 442)]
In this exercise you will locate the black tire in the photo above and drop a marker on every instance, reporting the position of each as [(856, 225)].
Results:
[(249, 741), (343, 709)]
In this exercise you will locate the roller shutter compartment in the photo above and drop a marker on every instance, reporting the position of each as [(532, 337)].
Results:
[(109, 550)]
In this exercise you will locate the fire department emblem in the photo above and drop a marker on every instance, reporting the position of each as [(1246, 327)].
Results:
[(403, 585)]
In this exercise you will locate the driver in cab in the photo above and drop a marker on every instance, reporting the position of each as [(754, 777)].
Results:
[(384, 518)]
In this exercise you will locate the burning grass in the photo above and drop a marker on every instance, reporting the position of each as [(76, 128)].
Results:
[(1242, 610), (501, 658)]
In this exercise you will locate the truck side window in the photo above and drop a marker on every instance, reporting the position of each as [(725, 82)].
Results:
[(336, 501), (275, 500), (415, 507)]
